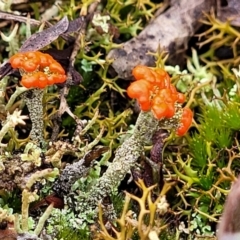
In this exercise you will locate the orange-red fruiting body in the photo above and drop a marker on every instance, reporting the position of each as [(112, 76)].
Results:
[(38, 69), (154, 91)]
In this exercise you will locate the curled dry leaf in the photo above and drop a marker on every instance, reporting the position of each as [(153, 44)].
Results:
[(171, 30), (94, 154), (47, 36), (44, 38), (75, 25)]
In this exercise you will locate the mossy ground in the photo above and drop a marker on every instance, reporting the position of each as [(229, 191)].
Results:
[(202, 164)]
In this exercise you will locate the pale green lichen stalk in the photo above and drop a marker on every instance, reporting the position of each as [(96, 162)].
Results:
[(33, 100), (125, 158), (28, 196)]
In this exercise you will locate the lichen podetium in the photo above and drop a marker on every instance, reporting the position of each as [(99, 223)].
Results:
[(125, 158), (33, 99)]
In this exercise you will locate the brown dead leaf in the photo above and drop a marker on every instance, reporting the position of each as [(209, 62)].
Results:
[(231, 12), (171, 30), (44, 38)]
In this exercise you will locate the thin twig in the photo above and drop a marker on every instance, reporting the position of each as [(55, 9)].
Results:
[(64, 92), (17, 18)]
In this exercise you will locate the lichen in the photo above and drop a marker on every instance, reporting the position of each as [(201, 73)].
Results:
[(33, 99)]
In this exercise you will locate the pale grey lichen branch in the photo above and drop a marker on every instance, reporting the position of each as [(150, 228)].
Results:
[(69, 176), (126, 157)]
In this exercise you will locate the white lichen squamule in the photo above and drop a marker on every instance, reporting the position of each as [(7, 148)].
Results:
[(153, 235), (235, 89), (101, 21), (183, 228), (11, 122), (162, 206)]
